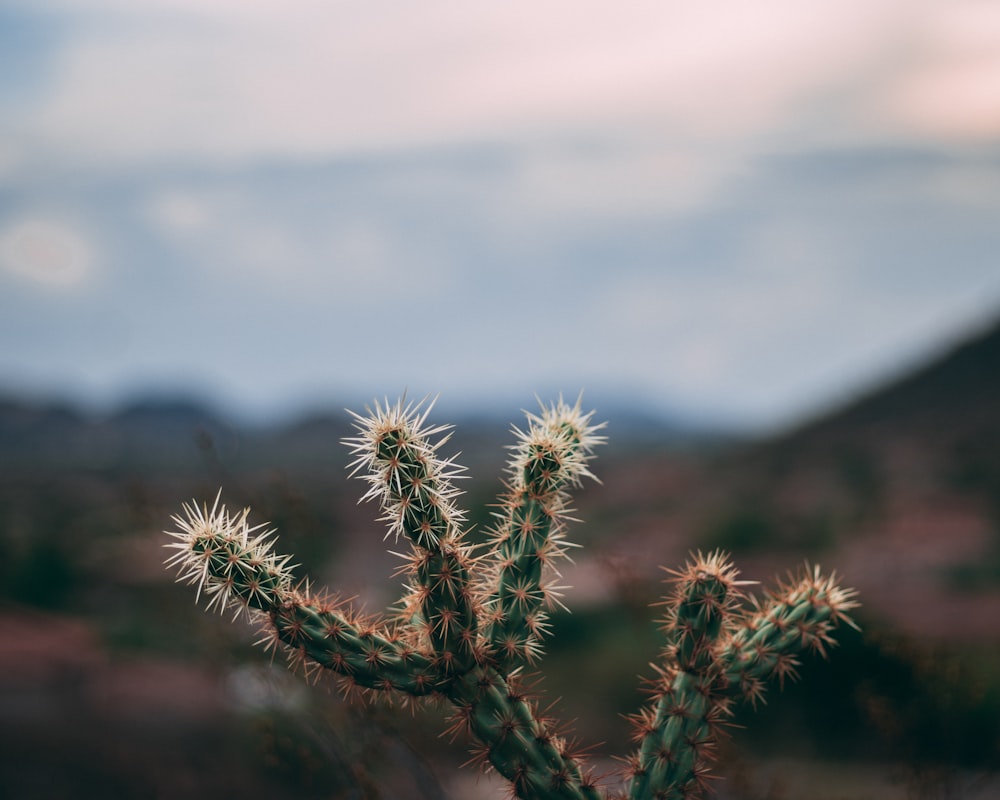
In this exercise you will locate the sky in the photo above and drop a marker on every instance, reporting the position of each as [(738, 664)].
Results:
[(738, 213)]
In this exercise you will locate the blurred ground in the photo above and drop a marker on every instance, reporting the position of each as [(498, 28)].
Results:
[(112, 682)]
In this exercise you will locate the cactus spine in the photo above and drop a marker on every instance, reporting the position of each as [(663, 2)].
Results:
[(469, 622)]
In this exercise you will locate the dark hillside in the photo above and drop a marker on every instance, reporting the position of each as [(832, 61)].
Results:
[(958, 391)]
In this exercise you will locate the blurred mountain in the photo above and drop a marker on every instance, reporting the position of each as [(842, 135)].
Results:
[(151, 434), (175, 434), (899, 489), (954, 398), (36, 435), (931, 435)]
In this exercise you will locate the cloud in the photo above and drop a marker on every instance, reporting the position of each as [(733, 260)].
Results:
[(944, 88), (333, 237), (46, 253), (184, 80), (178, 213)]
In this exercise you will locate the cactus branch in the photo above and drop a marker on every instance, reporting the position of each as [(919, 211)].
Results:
[(396, 453), (549, 459)]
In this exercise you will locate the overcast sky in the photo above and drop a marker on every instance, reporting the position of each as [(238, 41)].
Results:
[(742, 211)]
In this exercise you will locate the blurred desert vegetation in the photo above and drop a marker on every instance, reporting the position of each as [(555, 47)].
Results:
[(114, 684)]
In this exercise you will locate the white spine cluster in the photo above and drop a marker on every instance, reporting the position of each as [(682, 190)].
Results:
[(229, 560)]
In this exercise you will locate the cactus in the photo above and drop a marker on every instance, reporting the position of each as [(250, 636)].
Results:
[(473, 619)]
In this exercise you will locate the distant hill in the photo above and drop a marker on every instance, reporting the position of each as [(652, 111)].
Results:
[(163, 433), (177, 434), (936, 429), (956, 392), (899, 489)]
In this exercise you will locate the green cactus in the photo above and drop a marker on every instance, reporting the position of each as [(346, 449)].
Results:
[(471, 621)]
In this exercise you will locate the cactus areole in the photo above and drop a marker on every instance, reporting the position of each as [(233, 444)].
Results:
[(473, 618)]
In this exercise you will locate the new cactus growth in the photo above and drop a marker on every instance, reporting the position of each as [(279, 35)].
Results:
[(471, 621)]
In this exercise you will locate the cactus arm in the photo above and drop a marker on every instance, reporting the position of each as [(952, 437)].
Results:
[(395, 454), (549, 459), (316, 634), (676, 739), (718, 651), (799, 616), (235, 567), (677, 731)]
